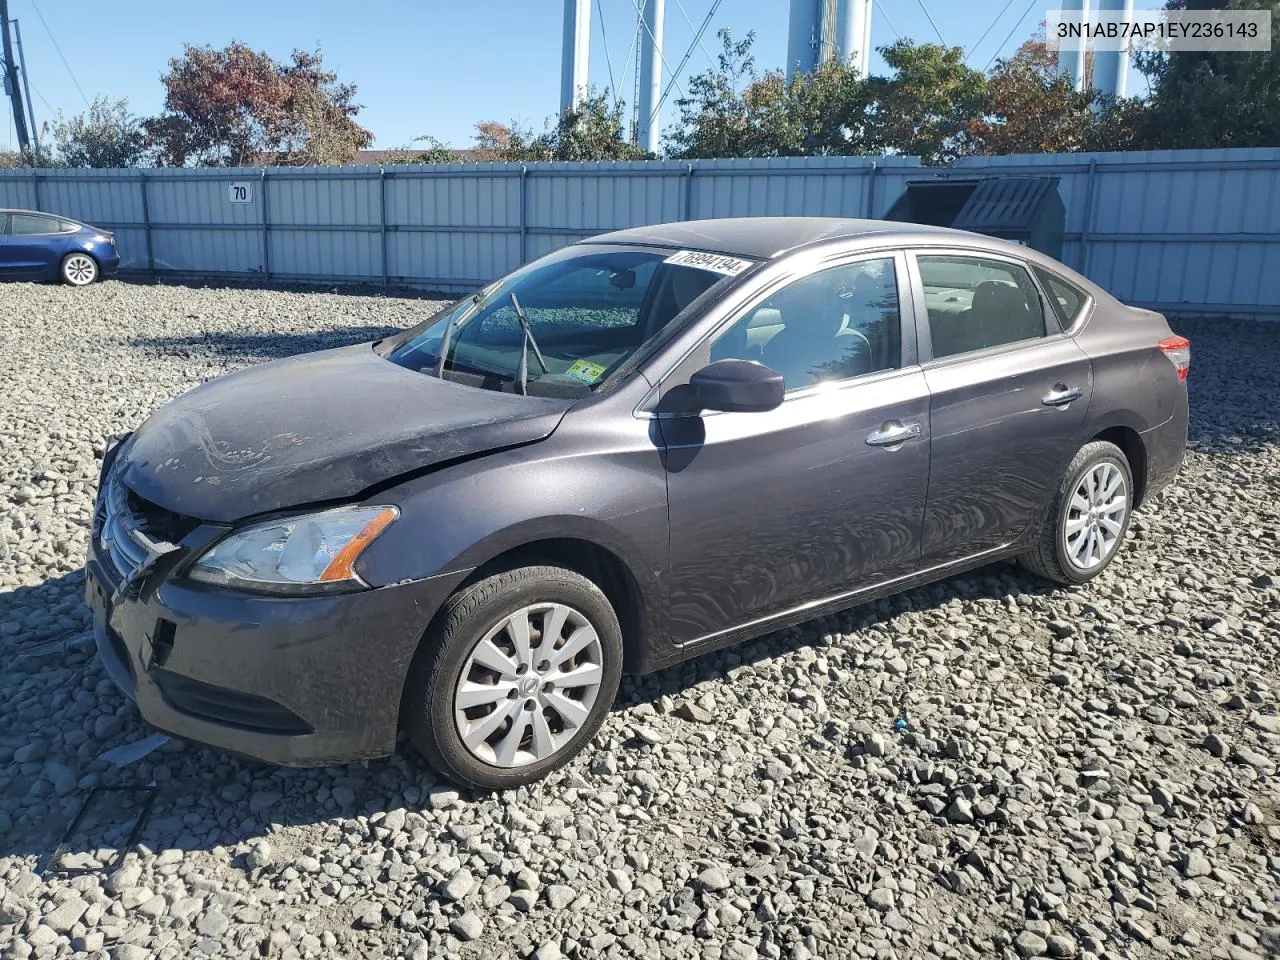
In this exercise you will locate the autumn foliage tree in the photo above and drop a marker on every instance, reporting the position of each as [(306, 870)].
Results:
[(1030, 107), (239, 107)]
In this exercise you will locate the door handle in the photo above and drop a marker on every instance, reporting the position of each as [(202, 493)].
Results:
[(894, 434), (1061, 395)]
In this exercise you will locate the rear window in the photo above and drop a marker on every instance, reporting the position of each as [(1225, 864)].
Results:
[(1066, 299)]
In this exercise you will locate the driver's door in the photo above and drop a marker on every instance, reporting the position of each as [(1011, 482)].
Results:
[(824, 494)]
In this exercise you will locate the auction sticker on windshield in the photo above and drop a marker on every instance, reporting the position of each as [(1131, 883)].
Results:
[(588, 371), (715, 262)]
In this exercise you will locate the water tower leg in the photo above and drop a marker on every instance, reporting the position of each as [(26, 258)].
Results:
[(648, 125)]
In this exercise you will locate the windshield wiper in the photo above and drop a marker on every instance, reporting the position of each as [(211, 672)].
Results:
[(448, 335), (525, 344)]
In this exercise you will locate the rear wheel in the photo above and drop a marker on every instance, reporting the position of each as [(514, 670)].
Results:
[(1088, 519), (78, 269), (519, 677)]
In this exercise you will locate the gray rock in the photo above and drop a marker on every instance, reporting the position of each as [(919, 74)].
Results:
[(259, 855), (459, 885), (881, 899), (1196, 864), (714, 879), (264, 800), (467, 927), (66, 915), (213, 924), (559, 896), (1030, 944)]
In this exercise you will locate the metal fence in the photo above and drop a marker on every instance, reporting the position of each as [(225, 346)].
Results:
[(1178, 230)]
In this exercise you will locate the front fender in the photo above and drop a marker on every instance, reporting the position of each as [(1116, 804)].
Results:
[(460, 518)]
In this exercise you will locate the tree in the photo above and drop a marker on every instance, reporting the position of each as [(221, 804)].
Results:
[(715, 119), (927, 107), (593, 130), (1206, 99), (1031, 108), (237, 107), (493, 139), (731, 111), (108, 135)]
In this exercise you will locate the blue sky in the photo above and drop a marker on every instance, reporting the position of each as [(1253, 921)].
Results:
[(434, 66)]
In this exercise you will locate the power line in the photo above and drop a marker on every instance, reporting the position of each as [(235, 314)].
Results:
[(1009, 36), (687, 54), (885, 13), (36, 8), (674, 78), (604, 38), (928, 15), (710, 59), (991, 26)]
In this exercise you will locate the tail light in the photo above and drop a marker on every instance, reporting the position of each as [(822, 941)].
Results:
[(1178, 350)]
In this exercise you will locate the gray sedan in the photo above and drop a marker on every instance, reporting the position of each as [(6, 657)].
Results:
[(639, 448)]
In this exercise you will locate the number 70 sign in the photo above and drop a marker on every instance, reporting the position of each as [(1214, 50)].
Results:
[(240, 192)]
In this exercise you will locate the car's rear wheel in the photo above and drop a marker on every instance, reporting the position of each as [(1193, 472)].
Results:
[(517, 678), (78, 269), (1088, 518)]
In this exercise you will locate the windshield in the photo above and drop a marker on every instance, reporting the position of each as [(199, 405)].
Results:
[(588, 308)]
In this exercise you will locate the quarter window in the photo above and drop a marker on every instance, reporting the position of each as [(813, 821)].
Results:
[(835, 324), (975, 303), (1067, 299), (26, 224)]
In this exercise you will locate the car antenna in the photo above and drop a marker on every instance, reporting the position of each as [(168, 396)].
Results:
[(529, 341)]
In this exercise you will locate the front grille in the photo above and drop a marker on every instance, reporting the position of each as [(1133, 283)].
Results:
[(230, 707), (125, 523)]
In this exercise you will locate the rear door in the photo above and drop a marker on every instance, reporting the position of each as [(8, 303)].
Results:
[(1008, 396), (824, 494)]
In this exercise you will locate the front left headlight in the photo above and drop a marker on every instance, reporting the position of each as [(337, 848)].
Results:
[(313, 553)]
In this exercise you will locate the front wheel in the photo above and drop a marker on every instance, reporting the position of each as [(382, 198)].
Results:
[(518, 678), (1088, 518), (78, 269)]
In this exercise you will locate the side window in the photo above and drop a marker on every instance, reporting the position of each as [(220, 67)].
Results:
[(66, 226), (831, 325), (25, 223), (975, 303), (1066, 298)]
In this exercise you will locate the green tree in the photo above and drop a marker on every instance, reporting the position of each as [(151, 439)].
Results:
[(928, 106), (593, 130), (731, 111), (1205, 99), (107, 135)]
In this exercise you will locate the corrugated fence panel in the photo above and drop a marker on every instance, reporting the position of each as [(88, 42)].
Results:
[(18, 189), (1174, 229)]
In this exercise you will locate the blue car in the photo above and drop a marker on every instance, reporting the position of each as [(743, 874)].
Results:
[(41, 246)]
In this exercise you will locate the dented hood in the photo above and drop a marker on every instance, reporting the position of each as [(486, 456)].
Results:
[(321, 426)]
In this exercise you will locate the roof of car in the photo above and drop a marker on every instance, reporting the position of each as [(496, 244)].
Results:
[(768, 237), (34, 213)]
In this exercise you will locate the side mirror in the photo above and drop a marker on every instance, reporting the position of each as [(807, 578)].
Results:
[(737, 386)]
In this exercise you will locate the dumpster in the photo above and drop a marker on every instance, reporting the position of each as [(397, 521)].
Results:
[(1026, 210)]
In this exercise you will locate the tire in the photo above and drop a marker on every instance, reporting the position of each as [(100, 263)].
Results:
[(78, 269), (1065, 555), (556, 718)]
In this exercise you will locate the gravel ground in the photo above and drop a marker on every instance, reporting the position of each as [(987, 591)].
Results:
[(1083, 772)]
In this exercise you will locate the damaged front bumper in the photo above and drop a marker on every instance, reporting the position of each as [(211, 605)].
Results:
[(289, 680)]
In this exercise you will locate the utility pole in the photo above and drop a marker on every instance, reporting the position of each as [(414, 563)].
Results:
[(26, 86), (11, 85)]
